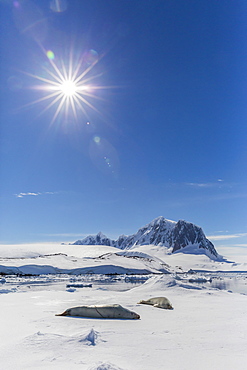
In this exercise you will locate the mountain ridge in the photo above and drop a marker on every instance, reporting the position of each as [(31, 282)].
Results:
[(175, 236)]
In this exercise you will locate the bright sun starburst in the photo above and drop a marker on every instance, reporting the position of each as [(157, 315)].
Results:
[(68, 88)]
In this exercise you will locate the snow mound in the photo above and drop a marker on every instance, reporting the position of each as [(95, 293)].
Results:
[(197, 250), (105, 366), (157, 283), (38, 270), (190, 286), (163, 282), (90, 337), (136, 258), (136, 254), (199, 279), (49, 340)]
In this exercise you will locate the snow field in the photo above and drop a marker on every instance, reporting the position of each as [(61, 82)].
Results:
[(207, 330)]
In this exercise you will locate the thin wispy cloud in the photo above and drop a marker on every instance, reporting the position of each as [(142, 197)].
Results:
[(70, 235), (217, 184), (201, 185), (33, 194), (226, 236)]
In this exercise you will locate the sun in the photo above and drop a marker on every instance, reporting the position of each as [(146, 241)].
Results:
[(68, 87)]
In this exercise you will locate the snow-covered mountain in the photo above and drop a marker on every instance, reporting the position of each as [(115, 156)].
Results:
[(175, 236), (99, 239)]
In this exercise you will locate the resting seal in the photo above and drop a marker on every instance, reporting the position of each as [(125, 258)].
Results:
[(160, 302), (110, 311)]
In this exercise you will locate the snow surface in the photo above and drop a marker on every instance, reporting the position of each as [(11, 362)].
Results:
[(76, 259), (81, 260), (207, 329)]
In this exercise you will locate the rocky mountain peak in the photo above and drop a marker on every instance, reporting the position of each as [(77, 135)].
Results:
[(186, 234), (179, 236)]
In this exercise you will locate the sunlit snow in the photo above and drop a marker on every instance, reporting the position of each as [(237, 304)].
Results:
[(206, 329)]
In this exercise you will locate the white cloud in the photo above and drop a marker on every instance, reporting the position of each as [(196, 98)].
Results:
[(21, 195)]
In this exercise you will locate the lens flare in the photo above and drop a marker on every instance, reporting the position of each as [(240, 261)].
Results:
[(67, 85), (50, 54), (58, 6)]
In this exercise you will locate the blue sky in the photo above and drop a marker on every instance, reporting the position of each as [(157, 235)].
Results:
[(162, 130)]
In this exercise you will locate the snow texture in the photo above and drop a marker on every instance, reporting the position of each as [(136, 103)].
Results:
[(105, 366), (205, 330), (56, 259)]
